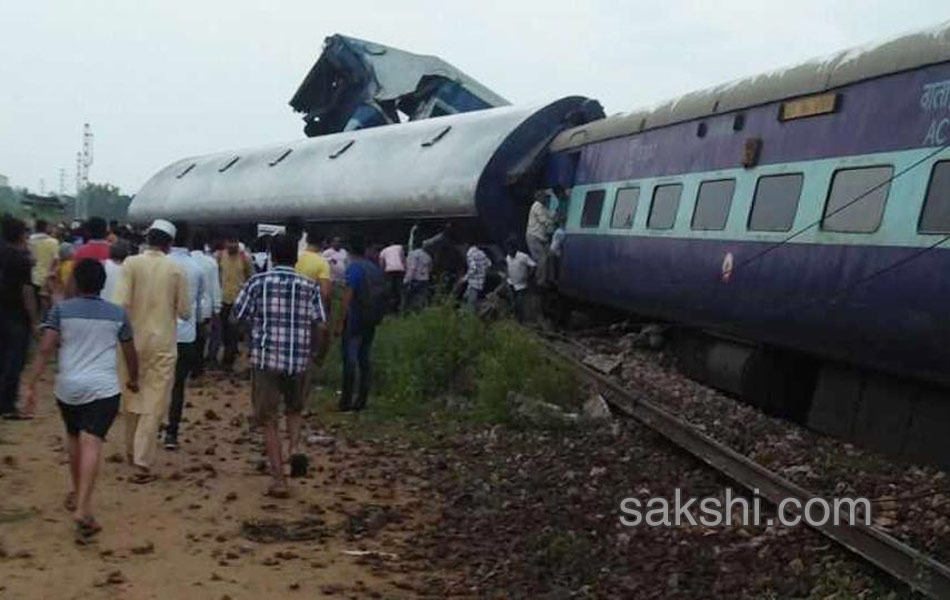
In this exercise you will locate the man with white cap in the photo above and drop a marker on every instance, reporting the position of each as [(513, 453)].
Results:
[(154, 291)]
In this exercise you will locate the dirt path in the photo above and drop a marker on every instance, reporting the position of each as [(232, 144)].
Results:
[(185, 536)]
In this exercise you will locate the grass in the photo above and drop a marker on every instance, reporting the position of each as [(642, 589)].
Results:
[(444, 366)]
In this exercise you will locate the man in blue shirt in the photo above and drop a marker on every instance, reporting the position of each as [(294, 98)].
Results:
[(362, 311)]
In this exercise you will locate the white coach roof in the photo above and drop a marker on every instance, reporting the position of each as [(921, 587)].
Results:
[(422, 168)]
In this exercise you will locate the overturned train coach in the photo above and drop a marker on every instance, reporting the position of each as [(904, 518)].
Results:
[(798, 220), (472, 169), (791, 224)]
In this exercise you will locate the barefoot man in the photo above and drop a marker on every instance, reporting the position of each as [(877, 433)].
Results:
[(286, 314), (153, 289), (88, 330)]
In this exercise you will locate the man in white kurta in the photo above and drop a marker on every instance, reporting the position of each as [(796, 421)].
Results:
[(153, 289)]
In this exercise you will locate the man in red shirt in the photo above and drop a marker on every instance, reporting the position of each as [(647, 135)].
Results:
[(97, 247)]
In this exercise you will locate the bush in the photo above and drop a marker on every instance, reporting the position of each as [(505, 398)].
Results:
[(421, 359), (513, 361)]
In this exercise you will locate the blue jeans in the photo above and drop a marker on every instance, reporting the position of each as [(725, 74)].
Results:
[(356, 348), (15, 333), (471, 298)]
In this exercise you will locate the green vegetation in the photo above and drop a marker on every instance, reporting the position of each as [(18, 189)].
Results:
[(443, 364)]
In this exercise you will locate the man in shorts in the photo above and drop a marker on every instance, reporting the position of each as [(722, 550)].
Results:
[(88, 331), (285, 310)]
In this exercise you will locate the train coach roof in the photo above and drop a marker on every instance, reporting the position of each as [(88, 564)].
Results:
[(429, 168), (903, 53)]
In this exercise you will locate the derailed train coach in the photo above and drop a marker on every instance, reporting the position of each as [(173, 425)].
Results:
[(475, 170), (795, 222)]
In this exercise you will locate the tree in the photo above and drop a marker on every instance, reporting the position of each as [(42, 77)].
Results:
[(10, 201), (105, 200)]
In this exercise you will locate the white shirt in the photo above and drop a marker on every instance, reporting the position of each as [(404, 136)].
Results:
[(540, 221), (188, 328), (519, 269), (556, 240), (418, 266), (338, 260), (112, 277), (209, 303), (392, 259)]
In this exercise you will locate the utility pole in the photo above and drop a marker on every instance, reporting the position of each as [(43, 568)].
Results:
[(62, 181), (83, 162)]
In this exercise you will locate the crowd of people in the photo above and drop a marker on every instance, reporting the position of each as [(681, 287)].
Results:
[(132, 315)]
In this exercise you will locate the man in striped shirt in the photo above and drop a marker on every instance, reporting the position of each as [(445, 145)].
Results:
[(285, 310)]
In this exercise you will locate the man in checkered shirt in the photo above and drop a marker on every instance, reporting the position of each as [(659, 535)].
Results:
[(478, 264), (285, 311)]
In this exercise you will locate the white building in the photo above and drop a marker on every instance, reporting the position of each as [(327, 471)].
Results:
[(4, 181)]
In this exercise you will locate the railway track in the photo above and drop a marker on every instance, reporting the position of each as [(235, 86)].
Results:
[(920, 572)]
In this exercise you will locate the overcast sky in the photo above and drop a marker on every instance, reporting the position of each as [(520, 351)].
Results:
[(163, 79)]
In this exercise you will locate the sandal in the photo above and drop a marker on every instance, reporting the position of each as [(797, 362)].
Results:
[(143, 477), (17, 416), (69, 503), (87, 527), (279, 491)]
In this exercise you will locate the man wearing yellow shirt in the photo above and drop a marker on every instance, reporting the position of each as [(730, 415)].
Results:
[(44, 249), (313, 265), (235, 269)]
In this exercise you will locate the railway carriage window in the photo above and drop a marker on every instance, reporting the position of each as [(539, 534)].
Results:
[(935, 217), (712, 204), (593, 206), (666, 201), (625, 208), (775, 202), (856, 199)]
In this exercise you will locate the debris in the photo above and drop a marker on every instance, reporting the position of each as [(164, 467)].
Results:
[(320, 440), (603, 363), (596, 408), (146, 548), (270, 530), (371, 554), (538, 412)]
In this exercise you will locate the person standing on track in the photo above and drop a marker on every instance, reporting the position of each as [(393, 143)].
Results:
[(519, 274), (312, 265), (44, 249), (392, 259), (153, 289), (187, 333), (416, 279), (88, 331), (210, 300), (285, 311), (338, 258), (97, 247), (478, 264), (236, 269), (363, 307), (538, 234), (18, 313)]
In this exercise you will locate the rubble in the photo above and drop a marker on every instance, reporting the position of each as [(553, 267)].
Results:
[(596, 409), (539, 413)]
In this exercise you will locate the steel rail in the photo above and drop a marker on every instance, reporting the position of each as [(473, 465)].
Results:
[(921, 572)]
